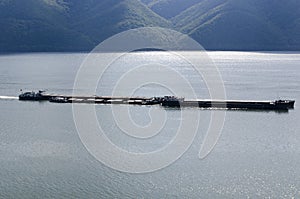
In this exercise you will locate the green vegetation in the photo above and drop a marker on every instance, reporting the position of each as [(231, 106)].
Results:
[(69, 25), (243, 25), (79, 25)]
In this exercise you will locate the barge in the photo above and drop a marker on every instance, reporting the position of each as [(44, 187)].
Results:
[(166, 101), (171, 101)]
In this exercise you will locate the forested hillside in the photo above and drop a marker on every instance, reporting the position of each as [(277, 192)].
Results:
[(79, 25)]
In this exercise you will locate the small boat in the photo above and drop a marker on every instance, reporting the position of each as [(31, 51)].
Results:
[(33, 96)]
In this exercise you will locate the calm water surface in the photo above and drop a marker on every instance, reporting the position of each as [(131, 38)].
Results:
[(258, 154)]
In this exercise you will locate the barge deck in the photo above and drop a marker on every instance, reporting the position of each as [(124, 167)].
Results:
[(166, 101)]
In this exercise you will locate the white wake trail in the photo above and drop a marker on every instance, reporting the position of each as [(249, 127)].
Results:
[(8, 98)]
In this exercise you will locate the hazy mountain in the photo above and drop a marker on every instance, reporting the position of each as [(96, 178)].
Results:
[(169, 8), (147, 2), (37, 25), (69, 25), (73, 25), (243, 25), (105, 18)]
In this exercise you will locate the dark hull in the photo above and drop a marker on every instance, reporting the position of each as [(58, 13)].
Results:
[(32, 97), (267, 105), (29, 99)]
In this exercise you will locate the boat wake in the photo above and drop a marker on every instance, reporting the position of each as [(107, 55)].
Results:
[(8, 98)]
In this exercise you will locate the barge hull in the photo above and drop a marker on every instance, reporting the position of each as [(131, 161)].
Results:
[(267, 105)]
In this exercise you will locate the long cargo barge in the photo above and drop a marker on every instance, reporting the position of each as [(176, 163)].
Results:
[(229, 104), (166, 101)]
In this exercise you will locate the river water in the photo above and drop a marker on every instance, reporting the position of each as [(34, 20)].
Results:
[(257, 154)]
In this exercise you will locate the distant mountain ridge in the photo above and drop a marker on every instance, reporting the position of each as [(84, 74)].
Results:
[(170, 8), (79, 25), (240, 25), (69, 25)]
